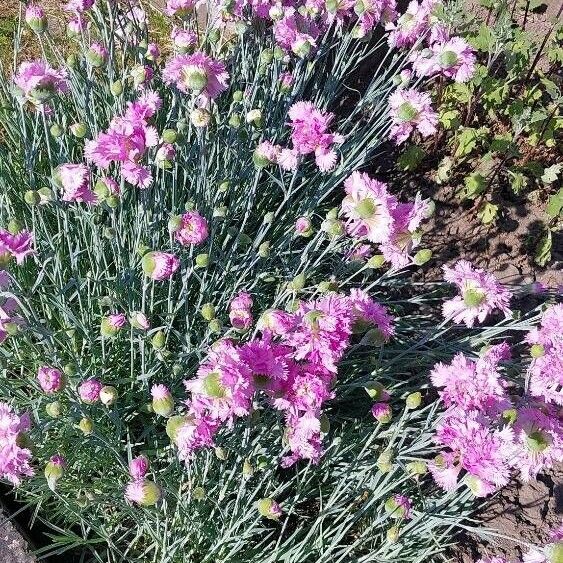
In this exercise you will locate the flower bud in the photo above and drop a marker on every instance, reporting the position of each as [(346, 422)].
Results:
[(215, 326), (247, 469), (116, 88), (162, 401), (303, 227), (143, 493), (376, 261), (200, 117), (139, 320), (32, 197), (173, 425), (202, 260), (376, 390), (51, 379), (398, 506), (108, 395), (333, 227), (298, 282), (422, 256), (86, 426), (195, 78), (221, 453), (393, 534), (254, 117), (54, 470), (56, 130), (54, 409), (35, 18), (199, 493), (234, 121), (208, 311), (158, 341), (112, 324), (89, 391), (416, 468), (79, 130), (169, 136), (269, 508), (238, 96), (413, 400), (264, 250), (382, 412), (138, 467), (97, 55), (385, 461)]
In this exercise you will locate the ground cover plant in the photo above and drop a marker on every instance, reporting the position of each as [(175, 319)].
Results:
[(212, 349)]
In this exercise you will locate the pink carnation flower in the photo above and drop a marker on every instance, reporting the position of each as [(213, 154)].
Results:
[(412, 25), (366, 313), (368, 208), (183, 39), (50, 379), (35, 17), (75, 181), (296, 33), (275, 321), (138, 467), (453, 58), (18, 245), (160, 265), (193, 229), (411, 110), (311, 134), (546, 370), (89, 390), (15, 461), (78, 6), (179, 7), (481, 293), (197, 72), (39, 82)]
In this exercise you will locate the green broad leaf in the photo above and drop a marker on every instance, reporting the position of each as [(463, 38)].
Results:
[(551, 173), (488, 213), (443, 172), (411, 158), (484, 40), (542, 254), (551, 88), (518, 181), (475, 184), (468, 139), (450, 119), (554, 206)]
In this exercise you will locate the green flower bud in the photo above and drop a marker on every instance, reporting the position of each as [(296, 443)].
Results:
[(537, 441), (173, 425), (195, 78), (221, 453), (375, 390), (269, 508), (278, 53), (108, 395), (234, 121), (202, 260), (46, 195), (72, 60), (247, 469), (174, 223), (223, 186), (159, 340), (199, 493), (54, 470), (298, 282), (416, 468), (151, 494), (327, 285), (56, 130), (238, 96), (54, 409), (116, 88), (31, 197), (169, 136), (215, 326), (214, 35), (162, 401), (267, 56), (448, 59), (70, 369), (333, 227), (269, 218), (200, 117), (385, 461), (264, 250), (220, 212), (422, 256), (79, 130), (413, 400), (208, 311), (393, 534), (86, 426)]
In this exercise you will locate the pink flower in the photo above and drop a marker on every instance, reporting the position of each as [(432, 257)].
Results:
[(310, 134), (127, 140), (193, 229), (472, 385), (366, 313), (78, 6), (243, 300), (89, 390), (399, 506), (97, 54), (165, 153), (303, 226), (183, 39), (411, 110), (160, 265), (19, 245), (51, 379), (412, 25), (9, 320), (143, 492), (322, 331), (538, 441), (266, 153), (275, 321), (179, 7), (368, 208), (15, 461), (546, 370), (303, 433), (493, 560), (296, 33), (77, 25), (139, 321), (382, 412), (75, 181), (453, 58), (35, 18), (241, 319), (39, 82), (481, 293), (359, 253), (138, 467), (199, 73)]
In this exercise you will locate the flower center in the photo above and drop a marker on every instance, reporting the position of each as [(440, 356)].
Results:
[(212, 385), (366, 208), (407, 112), (473, 297), (537, 441), (448, 59)]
